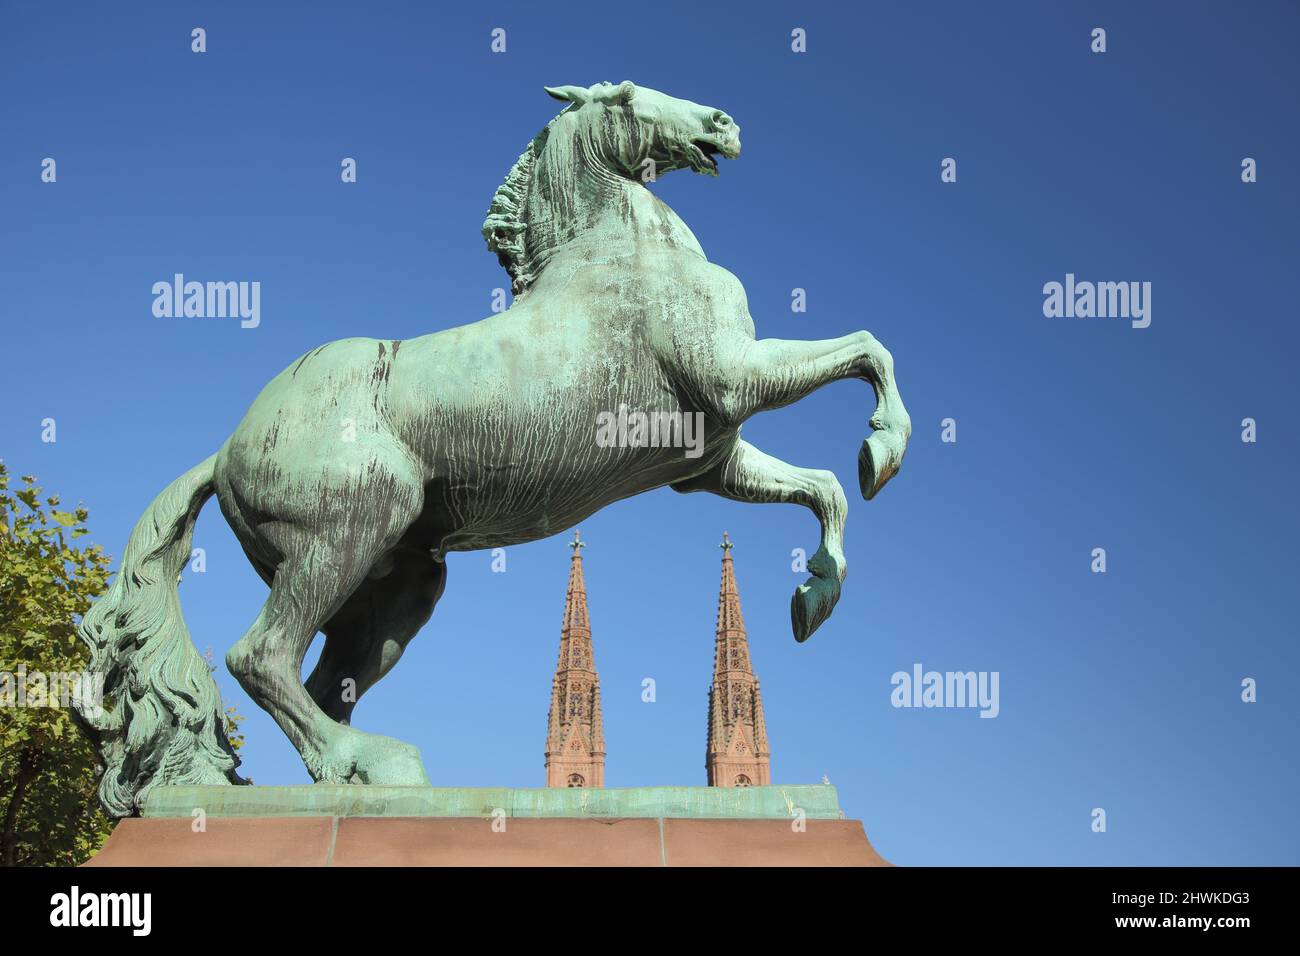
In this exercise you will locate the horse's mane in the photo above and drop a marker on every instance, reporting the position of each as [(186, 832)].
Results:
[(506, 224)]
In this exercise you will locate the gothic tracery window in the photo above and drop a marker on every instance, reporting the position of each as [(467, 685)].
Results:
[(576, 780), (742, 780)]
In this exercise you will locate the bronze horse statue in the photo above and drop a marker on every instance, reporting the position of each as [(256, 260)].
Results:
[(362, 464)]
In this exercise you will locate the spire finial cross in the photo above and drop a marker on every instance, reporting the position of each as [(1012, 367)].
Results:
[(726, 542), (577, 542)]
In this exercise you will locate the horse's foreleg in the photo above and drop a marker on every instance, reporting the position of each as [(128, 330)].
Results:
[(771, 373), (748, 474)]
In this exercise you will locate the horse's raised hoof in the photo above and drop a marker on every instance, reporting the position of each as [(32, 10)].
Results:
[(812, 604), (880, 458)]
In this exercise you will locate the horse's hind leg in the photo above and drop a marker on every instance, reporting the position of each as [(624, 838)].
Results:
[(319, 572), (369, 633), (748, 474)]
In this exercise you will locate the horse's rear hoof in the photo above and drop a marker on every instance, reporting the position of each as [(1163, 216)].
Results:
[(391, 763), (361, 758), (812, 604), (879, 460)]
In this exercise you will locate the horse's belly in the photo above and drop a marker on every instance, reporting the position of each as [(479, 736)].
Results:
[(530, 500)]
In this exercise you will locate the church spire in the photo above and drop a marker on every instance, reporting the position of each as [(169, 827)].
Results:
[(575, 733), (737, 752)]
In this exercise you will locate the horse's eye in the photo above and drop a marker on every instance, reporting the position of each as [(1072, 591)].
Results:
[(720, 118)]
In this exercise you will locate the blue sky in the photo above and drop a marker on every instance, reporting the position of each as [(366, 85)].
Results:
[(1118, 690)]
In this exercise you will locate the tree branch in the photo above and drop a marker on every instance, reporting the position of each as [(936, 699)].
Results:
[(28, 766)]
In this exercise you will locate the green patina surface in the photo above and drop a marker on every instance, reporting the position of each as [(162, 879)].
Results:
[(817, 801)]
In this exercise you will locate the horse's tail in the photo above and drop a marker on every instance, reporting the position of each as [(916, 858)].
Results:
[(159, 719)]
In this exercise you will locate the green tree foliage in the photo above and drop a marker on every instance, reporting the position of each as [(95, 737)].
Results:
[(49, 814), (49, 776)]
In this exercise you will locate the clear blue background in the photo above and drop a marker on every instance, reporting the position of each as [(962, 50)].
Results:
[(1119, 691)]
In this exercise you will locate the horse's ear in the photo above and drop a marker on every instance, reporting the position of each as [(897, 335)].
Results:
[(568, 94)]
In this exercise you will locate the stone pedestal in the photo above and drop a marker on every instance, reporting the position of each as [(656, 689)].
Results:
[(426, 826)]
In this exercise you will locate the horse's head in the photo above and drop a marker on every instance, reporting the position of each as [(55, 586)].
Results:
[(625, 125), (611, 135)]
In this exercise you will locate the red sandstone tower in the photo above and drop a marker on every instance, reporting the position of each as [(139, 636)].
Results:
[(737, 754), (575, 730)]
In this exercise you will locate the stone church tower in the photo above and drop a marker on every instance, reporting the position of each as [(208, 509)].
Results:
[(737, 754), (575, 731)]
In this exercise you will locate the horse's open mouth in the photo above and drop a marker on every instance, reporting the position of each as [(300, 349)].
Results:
[(708, 154), (705, 153)]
